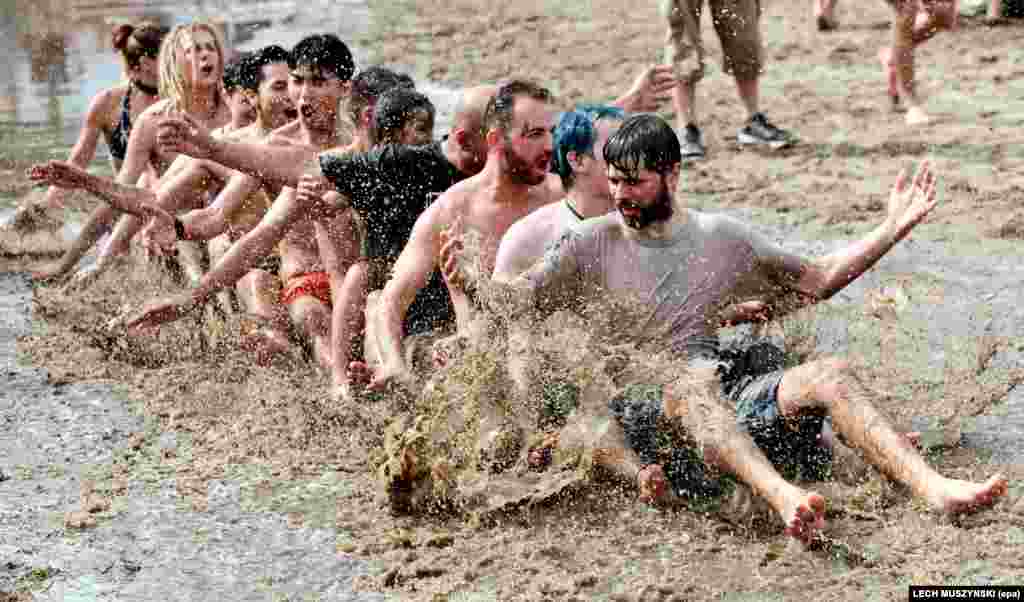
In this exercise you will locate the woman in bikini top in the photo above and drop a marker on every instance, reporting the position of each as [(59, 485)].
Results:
[(112, 111)]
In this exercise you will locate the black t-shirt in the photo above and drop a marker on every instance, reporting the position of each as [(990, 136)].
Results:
[(390, 186)]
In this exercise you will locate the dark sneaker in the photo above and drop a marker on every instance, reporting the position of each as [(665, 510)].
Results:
[(693, 143), (761, 131)]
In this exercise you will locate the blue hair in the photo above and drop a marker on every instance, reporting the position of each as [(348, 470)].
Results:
[(576, 132)]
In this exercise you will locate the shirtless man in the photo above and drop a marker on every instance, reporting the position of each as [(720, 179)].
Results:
[(190, 68), (517, 124), (638, 253), (914, 23)]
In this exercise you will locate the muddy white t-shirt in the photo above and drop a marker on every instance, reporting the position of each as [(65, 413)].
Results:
[(681, 285)]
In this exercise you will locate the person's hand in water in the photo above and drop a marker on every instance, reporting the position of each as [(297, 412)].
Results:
[(651, 89), (58, 173), (910, 203), (160, 312), (180, 133), (159, 237)]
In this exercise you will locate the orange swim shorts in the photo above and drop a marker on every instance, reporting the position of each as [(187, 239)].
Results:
[(310, 284)]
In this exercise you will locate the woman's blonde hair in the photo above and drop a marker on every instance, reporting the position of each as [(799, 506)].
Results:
[(173, 84)]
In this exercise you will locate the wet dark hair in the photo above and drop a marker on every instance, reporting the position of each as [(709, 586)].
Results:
[(576, 132), (643, 142), (234, 71), (137, 41), (498, 113), (325, 52), (370, 84), (268, 55), (394, 110)]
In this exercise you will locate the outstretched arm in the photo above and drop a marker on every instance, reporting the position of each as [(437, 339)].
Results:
[(129, 199), (411, 273), (277, 165), (909, 204), (237, 262)]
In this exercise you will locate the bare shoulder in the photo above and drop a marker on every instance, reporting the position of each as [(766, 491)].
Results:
[(286, 135)]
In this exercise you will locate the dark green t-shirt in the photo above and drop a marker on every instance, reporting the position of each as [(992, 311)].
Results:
[(390, 187)]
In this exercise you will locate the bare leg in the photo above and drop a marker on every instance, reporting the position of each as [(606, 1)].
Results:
[(218, 247), (184, 188), (829, 385), (684, 101), (912, 26), (313, 318), (259, 292), (348, 320), (98, 224), (749, 94), (694, 402), (824, 14)]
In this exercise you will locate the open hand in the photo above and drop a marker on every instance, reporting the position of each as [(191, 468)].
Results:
[(180, 133), (159, 237), (59, 174), (159, 312), (910, 203), (651, 89)]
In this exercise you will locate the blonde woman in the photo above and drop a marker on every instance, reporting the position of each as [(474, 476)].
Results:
[(191, 66), (111, 112)]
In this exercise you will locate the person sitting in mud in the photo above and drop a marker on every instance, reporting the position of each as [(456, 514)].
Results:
[(518, 124), (263, 78), (914, 23), (316, 248), (681, 268), (111, 113), (190, 67), (406, 175)]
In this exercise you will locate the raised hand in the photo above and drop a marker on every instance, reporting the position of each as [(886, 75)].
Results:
[(651, 89), (180, 133), (910, 203), (59, 174)]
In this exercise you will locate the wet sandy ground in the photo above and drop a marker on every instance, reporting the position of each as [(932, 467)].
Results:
[(936, 328)]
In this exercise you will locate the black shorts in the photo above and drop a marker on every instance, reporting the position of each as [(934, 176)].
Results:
[(750, 380)]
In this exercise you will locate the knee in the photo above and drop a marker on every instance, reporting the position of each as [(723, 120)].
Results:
[(832, 377)]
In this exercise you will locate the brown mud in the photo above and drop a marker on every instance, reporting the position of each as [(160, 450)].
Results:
[(275, 429)]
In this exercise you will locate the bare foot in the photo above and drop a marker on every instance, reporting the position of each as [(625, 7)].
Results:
[(824, 15), (539, 457), (267, 344), (912, 440), (653, 485), (359, 373), (917, 116), (961, 497), (892, 78), (49, 272), (804, 515)]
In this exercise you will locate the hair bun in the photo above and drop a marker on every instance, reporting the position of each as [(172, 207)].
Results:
[(120, 35)]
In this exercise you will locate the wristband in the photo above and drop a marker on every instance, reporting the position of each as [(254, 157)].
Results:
[(179, 229)]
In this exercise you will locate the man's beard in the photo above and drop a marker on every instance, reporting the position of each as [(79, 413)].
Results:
[(519, 169), (660, 211)]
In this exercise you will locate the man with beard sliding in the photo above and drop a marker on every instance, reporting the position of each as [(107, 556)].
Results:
[(682, 268), (517, 124)]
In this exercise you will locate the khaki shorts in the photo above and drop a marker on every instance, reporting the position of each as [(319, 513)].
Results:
[(736, 23)]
